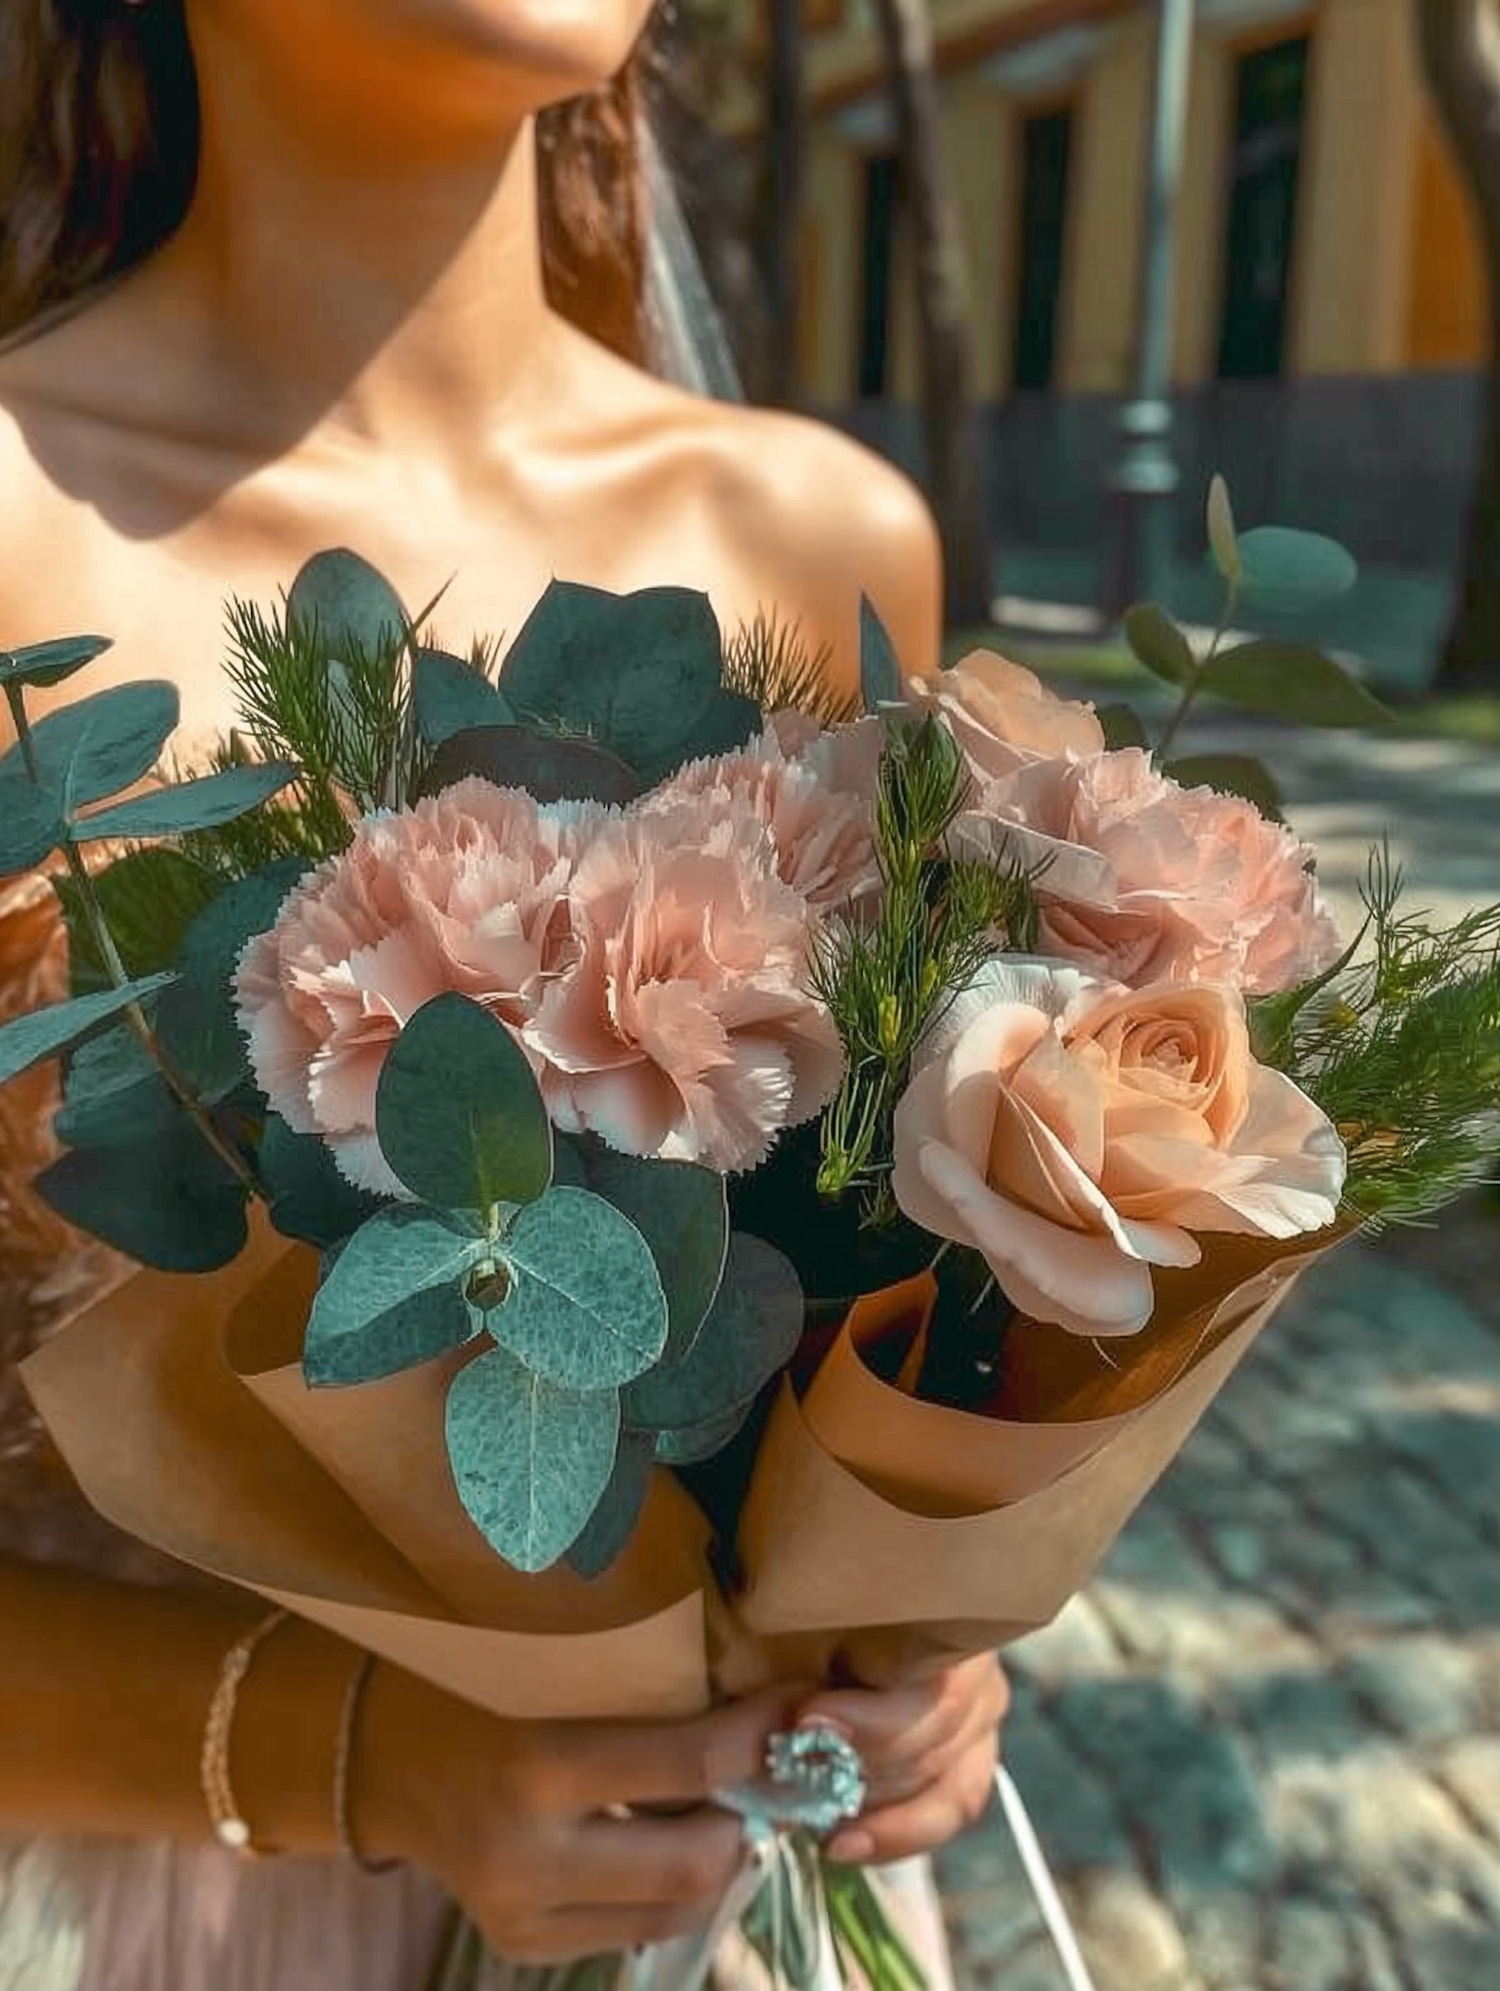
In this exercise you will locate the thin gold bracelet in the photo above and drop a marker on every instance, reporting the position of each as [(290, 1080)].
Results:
[(343, 1769), (231, 1828)]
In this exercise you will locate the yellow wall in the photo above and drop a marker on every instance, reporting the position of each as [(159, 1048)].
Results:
[(1386, 273)]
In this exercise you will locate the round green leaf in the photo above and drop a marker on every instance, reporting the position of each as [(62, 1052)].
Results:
[(1122, 726), (149, 899), (417, 1329), (458, 1112), (115, 1095), (398, 1253), (95, 748), (1295, 682), (1287, 572), (613, 1521), (585, 1306), (682, 1211), (50, 663), (45, 1033), (199, 1029), (549, 770), (169, 1203), (349, 601), (1223, 540), (311, 1198), (1157, 642), (188, 805), (450, 696), (752, 1330), (530, 1461), (31, 818)]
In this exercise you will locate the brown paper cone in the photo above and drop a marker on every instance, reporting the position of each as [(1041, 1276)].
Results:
[(170, 1446), (824, 1551)]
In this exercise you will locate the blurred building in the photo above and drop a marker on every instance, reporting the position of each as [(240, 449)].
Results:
[(1330, 309)]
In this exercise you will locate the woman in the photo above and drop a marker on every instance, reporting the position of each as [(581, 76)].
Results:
[(286, 277)]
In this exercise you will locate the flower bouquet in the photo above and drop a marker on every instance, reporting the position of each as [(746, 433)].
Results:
[(645, 1184)]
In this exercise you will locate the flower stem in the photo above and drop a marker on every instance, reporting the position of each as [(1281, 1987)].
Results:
[(1194, 684)]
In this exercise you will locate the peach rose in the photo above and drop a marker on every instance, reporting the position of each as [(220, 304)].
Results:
[(1076, 1134), (816, 798), (1003, 717), (1140, 880), (465, 891), (686, 1028)]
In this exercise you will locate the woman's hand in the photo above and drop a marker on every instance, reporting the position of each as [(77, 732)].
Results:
[(529, 1824), (930, 1751)]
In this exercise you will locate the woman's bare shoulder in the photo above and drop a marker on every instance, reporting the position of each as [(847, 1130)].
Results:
[(811, 504)]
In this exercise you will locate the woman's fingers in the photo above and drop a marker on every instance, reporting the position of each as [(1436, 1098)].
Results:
[(923, 1823), (562, 1935), (899, 1729), (685, 1763), (656, 1862)]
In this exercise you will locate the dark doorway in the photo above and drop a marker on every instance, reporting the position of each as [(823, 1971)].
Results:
[(1270, 109), (882, 222), (1046, 149)]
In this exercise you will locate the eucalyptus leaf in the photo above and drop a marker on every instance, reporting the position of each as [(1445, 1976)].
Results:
[(1293, 681), (730, 722), (1223, 540), (1122, 726), (43, 664), (417, 1329), (450, 696), (114, 1094), (682, 1211), (197, 1022), (585, 1306), (45, 1033), (458, 1112), (1231, 774), (531, 1461), (549, 770), (1156, 641), (310, 1198), (635, 674), (751, 1332), (149, 899), (694, 1444), (879, 666), (348, 601), (31, 818), (204, 804), (1288, 572), (170, 1202), (401, 1251), (613, 1521), (83, 753)]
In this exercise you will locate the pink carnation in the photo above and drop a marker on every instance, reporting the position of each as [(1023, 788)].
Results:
[(685, 1027), (464, 892), (1140, 880), (813, 791)]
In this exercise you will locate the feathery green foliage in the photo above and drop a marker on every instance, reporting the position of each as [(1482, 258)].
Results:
[(771, 662)]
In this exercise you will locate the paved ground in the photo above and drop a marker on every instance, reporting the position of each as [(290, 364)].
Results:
[(1263, 1750)]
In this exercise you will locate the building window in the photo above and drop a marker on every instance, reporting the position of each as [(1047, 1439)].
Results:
[(1042, 230), (882, 200), (1270, 111)]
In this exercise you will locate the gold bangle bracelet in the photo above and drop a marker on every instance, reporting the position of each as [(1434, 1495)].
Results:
[(230, 1826), (343, 1768)]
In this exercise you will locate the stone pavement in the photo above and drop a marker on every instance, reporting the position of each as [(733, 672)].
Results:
[(1263, 1749)]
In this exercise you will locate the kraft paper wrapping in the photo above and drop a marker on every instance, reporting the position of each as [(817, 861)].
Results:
[(902, 1535), (170, 1444)]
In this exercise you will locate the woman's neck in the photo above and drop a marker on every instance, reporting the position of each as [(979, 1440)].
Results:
[(378, 278)]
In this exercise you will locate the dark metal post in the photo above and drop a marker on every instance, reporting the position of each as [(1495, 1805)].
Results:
[(1143, 486)]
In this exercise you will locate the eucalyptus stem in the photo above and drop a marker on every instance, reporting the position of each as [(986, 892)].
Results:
[(135, 1017), (1194, 683)]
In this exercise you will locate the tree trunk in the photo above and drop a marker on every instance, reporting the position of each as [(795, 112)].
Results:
[(785, 146), (949, 416), (1460, 48)]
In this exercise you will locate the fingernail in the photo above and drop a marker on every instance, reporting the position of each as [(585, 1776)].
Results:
[(849, 1848)]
